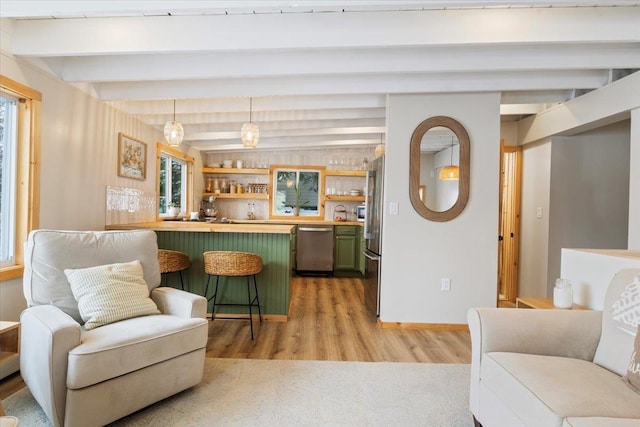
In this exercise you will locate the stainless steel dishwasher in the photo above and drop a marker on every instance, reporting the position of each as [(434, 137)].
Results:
[(314, 252)]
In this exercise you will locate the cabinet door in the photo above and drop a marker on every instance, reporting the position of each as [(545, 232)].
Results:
[(362, 260), (345, 255)]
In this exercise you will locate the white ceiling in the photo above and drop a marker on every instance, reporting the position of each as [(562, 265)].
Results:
[(318, 72)]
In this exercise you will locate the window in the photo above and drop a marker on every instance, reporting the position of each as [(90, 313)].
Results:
[(174, 186), (297, 191), (19, 151), (8, 143)]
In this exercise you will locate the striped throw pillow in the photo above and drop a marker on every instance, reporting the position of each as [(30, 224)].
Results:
[(110, 293)]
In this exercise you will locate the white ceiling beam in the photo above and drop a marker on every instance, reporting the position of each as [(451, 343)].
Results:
[(283, 133), (89, 36), (332, 61), (354, 84), (207, 126), (278, 144), (234, 104), (44, 8)]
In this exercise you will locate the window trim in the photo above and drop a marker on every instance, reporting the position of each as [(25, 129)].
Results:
[(190, 161), (27, 170)]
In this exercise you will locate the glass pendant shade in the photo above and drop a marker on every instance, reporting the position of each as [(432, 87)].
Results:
[(379, 151), (250, 135), (449, 173), (173, 133)]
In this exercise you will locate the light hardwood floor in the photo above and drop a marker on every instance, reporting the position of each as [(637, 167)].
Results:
[(327, 321)]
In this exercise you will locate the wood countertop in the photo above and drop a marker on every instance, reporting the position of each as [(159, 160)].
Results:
[(274, 226), (205, 227)]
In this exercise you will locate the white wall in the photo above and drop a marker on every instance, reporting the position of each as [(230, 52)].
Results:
[(591, 271), (589, 199), (417, 253), (634, 182), (79, 136), (534, 231)]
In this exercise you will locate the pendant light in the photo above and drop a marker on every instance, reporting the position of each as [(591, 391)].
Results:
[(173, 131), (379, 151), (250, 132), (451, 172)]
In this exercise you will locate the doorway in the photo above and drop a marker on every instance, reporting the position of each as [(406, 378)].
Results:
[(509, 224)]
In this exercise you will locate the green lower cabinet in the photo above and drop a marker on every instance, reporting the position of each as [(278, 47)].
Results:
[(362, 261), (346, 248)]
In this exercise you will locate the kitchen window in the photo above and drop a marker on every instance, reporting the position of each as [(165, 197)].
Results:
[(19, 151), (175, 180)]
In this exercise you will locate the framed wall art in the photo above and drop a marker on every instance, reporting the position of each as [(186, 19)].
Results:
[(132, 157)]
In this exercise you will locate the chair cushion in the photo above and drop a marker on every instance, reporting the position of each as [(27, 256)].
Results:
[(543, 390), (126, 346), (110, 293)]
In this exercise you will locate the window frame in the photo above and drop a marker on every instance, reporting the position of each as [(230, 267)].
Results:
[(27, 181), (161, 149)]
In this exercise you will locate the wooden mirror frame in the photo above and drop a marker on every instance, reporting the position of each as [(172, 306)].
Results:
[(414, 168)]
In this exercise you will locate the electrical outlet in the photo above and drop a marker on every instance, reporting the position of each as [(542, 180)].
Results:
[(393, 208), (445, 284)]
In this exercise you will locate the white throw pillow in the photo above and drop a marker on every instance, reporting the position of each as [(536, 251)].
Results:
[(109, 293), (626, 309)]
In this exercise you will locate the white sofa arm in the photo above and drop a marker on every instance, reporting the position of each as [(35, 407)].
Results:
[(564, 333), (179, 303), (47, 336)]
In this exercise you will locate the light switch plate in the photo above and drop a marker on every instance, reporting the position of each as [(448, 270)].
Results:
[(393, 208)]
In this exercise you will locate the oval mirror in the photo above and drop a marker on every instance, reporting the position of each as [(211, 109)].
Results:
[(439, 168)]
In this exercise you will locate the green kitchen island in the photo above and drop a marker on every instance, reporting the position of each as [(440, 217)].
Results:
[(271, 241)]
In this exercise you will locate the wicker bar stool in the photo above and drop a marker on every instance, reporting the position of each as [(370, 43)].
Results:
[(173, 262), (233, 264)]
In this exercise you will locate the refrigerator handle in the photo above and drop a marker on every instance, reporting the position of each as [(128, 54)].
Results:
[(371, 256), (367, 207)]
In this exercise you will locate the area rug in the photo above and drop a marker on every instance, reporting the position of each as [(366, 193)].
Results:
[(240, 392)]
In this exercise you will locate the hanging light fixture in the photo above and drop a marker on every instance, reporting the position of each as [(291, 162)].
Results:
[(379, 151), (250, 132), (173, 131), (451, 172)]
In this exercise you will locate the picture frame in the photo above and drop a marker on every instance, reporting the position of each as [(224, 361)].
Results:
[(132, 157)]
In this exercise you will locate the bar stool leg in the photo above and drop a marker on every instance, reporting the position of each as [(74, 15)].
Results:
[(249, 301), (181, 282), (215, 296), (255, 286)]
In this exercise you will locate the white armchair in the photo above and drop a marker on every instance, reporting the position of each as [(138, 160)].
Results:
[(92, 377)]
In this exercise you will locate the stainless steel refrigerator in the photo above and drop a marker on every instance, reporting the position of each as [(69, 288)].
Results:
[(373, 234)]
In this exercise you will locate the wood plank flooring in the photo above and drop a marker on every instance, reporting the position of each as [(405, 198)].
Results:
[(327, 321)]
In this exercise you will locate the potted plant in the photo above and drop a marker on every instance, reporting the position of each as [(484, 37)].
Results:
[(299, 203), (173, 209)]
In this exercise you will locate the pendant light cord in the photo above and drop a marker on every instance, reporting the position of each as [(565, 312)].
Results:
[(174, 110), (250, 108)]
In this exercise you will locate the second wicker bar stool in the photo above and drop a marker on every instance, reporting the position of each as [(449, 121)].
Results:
[(233, 264), (173, 262)]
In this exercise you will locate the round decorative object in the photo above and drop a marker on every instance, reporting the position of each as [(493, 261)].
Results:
[(379, 150)]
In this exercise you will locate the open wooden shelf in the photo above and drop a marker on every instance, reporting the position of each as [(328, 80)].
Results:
[(254, 196), (344, 173), (345, 198), (233, 171)]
